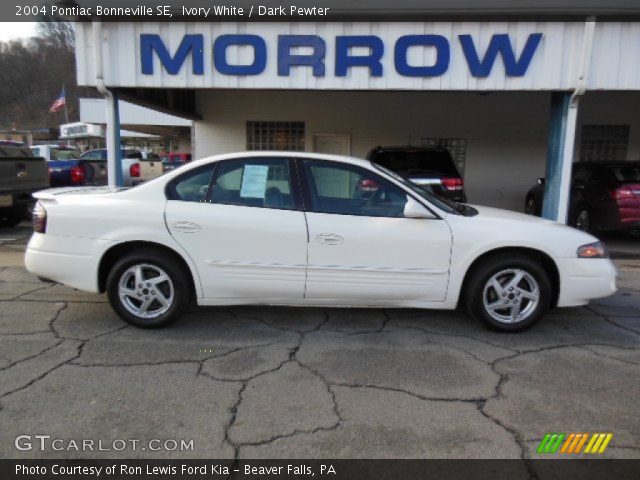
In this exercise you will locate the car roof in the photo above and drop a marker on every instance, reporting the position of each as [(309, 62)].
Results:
[(54, 145), (415, 148), (285, 154)]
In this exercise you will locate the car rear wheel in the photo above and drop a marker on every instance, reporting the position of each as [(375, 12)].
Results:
[(12, 217), (509, 294), (148, 289)]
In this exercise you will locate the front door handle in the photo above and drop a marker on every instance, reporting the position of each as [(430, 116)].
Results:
[(329, 239), (186, 227)]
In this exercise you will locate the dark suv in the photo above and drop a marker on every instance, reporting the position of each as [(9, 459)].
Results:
[(604, 196), (431, 168)]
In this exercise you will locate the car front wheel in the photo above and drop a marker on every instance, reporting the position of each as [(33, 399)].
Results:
[(509, 294), (148, 289)]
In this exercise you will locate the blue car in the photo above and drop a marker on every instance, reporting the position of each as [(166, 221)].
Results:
[(66, 168)]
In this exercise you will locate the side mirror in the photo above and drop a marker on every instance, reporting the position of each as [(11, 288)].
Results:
[(413, 209), (541, 181)]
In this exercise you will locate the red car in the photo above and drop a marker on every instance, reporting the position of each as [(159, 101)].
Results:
[(605, 196), (171, 160)]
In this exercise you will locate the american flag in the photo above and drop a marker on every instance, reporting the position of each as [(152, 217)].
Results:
[(59, 102)]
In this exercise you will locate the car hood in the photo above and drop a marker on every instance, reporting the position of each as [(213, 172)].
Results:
[(509, 215), (497, 228)]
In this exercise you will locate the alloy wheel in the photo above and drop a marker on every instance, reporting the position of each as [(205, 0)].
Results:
[(511, 295), (146, 290)]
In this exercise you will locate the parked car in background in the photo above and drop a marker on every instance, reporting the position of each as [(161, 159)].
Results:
[(605, 196), (151, 168), (432, 168), (21, 174), (66, 168), (174, 159), (290, 228), (130, 163)]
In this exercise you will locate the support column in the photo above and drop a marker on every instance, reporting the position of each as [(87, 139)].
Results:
[(114, 160), (561, 142)]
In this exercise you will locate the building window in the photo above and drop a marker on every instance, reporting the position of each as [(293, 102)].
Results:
[(287, 136), (604, 142), (457, 148)]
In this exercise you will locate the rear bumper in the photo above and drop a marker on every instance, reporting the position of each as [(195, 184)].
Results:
[(68, 260), (584, 279), (22, 198)]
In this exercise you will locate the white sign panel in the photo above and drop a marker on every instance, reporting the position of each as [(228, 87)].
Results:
[(363, 55), (254, 181)]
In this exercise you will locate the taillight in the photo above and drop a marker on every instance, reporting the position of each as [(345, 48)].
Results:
[(453, 184), (77, 175), (134, 170), (624, 192), (39, 218)]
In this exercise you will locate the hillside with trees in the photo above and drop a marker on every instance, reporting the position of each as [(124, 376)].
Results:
[(32, 73)]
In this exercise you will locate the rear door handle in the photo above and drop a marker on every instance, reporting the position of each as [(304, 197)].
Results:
[(186, 227), (329, 239)]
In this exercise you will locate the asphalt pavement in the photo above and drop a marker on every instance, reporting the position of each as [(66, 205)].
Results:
[(271, 382)]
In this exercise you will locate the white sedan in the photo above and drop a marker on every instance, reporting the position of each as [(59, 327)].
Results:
[(291, 228)]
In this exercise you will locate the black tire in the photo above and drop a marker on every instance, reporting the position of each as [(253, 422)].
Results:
[(478, 288), (583, 220), (530, 206), (12, 218), (176, 288)]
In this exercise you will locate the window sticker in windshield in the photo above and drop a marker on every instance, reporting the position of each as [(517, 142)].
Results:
[(254, 181)]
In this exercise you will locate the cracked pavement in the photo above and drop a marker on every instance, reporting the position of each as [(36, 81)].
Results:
[(272, 382)]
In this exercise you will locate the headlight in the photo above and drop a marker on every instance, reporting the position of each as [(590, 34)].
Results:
[(593, 250)]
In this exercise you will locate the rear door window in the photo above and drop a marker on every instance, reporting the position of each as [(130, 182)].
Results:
[(254, 182)]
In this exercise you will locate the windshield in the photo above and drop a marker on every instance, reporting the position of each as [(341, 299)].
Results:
[(625, 173), (64, 154), (444, 205)]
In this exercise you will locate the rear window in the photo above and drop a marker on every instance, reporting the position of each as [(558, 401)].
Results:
[(6, 151), (405, 161), (130, 154), (64, 154), (625, 173)]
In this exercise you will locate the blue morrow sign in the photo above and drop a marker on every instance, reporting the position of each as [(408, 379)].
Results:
[(479, 64)]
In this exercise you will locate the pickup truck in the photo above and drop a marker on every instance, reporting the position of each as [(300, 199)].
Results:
[(67, 168), (154, 167), (21, 174), (130, 163)]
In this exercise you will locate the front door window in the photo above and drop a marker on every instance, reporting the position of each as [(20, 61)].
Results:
[(350, 190)]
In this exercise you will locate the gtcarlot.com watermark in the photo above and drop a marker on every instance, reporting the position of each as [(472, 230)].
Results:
[(47, 443)]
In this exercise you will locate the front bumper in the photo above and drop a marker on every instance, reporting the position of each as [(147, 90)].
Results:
[(584, 279)]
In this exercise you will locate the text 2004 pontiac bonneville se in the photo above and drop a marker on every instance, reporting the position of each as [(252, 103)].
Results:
[(289, 228)]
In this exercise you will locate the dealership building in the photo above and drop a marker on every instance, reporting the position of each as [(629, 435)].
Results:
[(515, 90)]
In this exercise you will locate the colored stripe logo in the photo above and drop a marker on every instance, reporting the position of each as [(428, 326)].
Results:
[(574, 443)]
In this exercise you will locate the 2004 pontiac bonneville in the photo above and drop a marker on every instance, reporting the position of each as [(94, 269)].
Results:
[(308, 229)]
